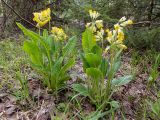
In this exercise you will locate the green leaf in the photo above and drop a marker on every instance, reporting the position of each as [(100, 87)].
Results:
[(57, 66), (117, 56), (122, 80), (97, 50), (67, 66), (53, 83), (88, 41), (93, 59), (104, 66), (85, 63), (45, 34), (114, 68), (114, 104), (70, 46), (61, 80), (94, 73), (33, 51), (50, 44), (96, 115), (80, 89), (155, 107), (32, 35)]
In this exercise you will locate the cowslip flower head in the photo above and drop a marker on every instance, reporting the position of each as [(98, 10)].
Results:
[(58, 34), (109, 35), (42, 17), (99, 24), (122, 19), (117, 27), (120, 36), (99, 35), (94, 14)]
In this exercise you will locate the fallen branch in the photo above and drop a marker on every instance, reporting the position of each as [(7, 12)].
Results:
[(146, 22)]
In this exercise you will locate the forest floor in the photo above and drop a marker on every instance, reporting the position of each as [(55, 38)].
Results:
[(43, 105)]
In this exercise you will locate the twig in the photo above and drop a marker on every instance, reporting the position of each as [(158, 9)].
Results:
[(142, 22), (18, 14), (146, 22)]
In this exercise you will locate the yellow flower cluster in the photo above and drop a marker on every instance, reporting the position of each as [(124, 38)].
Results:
[(42, 17), (116, 36), (58, 34), (94, 14), (99, 35), (95, 24)]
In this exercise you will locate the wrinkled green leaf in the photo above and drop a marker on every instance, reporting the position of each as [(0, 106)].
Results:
[(80, 89), (33, 51), (88, 41), (57, 65), (94, 73), (97, 50), (114, 68), (67, 66), (104, 66), (122, 80), (32, 35), (70, 46), (93, 59), (85, 63)]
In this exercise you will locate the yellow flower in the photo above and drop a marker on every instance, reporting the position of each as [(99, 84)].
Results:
[(117, 27), (42, 17), (120, 36), (128, 22), (93, 14), (107, 30), (110, 35), (58, 33), (122, 46), (92, 28), (99, 35), (99, 24), (88, 24), (122, 19), (107, 48)]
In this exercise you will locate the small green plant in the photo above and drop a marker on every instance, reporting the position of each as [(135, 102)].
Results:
[(11, 60), (50, 54), (23, 93), (155, 109), (154, 74), (101, 65)]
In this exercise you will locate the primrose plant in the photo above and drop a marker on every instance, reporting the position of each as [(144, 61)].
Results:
[(51, 54), (101, 64)]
